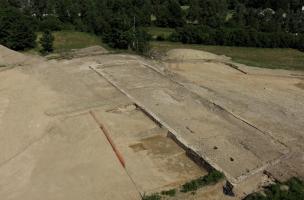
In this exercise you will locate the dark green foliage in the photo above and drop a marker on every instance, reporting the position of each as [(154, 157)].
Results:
[(213, 12), (257, 23), (51, 23), (160, 38), (140, 42), (119, 34), (300, 44), (212, 178), (46, 42), (194, 11), (170, 193), (256, 196), (169, 14), (151, 197), (192, 34), (16, 29), (122, 34), (174, 37), (290, 190)]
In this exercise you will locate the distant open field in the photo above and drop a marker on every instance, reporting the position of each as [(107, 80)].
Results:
[(156, 31), (257, 57), (67, 40)]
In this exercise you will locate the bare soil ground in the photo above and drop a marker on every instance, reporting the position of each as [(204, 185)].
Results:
[(242, 121), (270, 100), (52, 148)]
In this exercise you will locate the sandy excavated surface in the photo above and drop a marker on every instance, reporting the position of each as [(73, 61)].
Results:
[(52, 148), (94, 50), (241, 122), (162, 163), (9, 57), (190, 54), (271, 100), (229, 144)]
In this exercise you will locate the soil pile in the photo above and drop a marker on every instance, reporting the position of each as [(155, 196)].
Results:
[(9, 57), (190, 54)]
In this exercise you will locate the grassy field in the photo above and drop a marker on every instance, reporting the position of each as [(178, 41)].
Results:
[(67, 40), (156, 31), (256, 57)]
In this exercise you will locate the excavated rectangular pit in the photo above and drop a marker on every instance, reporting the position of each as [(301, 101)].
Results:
[(206, 131), (153, 160)]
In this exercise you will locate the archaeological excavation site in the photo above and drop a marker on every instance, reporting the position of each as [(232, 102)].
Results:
[(97, 124)]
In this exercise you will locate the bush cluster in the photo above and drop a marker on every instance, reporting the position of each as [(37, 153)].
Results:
[(151, 197), (16, 29), (212, 178), (170, 193), (290, 190)]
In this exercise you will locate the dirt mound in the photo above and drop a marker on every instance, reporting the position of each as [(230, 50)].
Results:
[(190, 54), (93, 50), (9, 57)]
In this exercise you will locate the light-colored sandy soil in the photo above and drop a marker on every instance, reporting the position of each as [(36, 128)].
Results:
[(145, 146), (190, 54), (241, 121), (230, 144), (52, 148), (271, 100), (9, 57)]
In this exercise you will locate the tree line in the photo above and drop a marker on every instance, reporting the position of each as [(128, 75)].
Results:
[(259, 23), (256, 23)]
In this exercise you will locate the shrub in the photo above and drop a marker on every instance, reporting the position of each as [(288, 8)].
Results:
[(160, 38), (151, 197), (300, 42), (51, 23), (174, 37), (190, 186), (47, 42), (212, 178), (140, 43), (16, 30), (293, 190), (170, 193)]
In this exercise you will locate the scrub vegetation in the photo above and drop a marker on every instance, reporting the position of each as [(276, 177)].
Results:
[(290, 190), (192, 186)]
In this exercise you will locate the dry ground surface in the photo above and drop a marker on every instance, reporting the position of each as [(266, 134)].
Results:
[(240, 120), (53, 148), (270, 100)]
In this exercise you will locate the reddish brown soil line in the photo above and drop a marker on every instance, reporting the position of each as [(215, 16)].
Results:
[(106, 133)]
